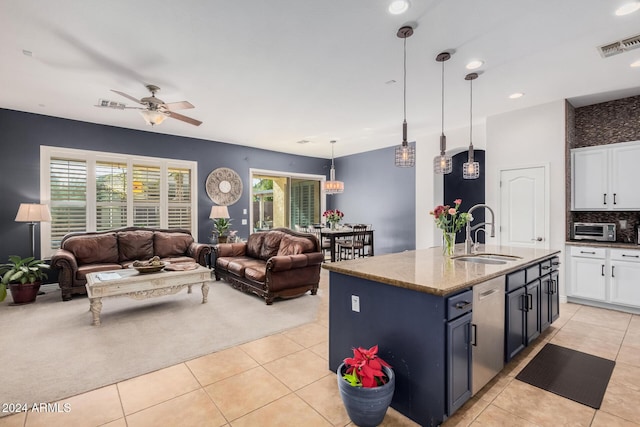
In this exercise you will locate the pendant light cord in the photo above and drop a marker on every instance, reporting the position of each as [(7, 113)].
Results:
[(443, 97), (404, 91), (470, 112)]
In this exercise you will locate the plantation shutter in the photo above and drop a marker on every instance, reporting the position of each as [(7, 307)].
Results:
[(68, 183), (179, 198), (111, 195), (146, 196)]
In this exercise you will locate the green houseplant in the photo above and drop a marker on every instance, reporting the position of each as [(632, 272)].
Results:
[(24, 277), (221, 226), (366, 384)]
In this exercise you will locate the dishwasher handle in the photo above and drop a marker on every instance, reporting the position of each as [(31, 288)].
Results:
[(474, 334)]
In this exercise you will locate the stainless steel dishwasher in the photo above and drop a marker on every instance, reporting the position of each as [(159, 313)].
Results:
[(487, 332)]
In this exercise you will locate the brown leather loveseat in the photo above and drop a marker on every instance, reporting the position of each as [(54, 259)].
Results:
[(87, 252), (278, 263)]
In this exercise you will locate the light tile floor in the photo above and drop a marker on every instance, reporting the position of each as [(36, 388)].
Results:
[(283, 380)]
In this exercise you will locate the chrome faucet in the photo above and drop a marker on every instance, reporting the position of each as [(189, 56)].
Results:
[(468, 242)]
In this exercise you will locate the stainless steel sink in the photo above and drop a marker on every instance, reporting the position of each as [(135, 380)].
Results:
[(487, 258)]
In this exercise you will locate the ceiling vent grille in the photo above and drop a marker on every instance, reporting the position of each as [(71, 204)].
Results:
[(620, 46)]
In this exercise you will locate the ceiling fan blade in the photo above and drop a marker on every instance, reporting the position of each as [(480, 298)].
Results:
[(127, 96), (184, 118), (181, 105)]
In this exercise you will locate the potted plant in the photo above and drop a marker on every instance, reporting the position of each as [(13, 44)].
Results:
[(24, 277), (221, 225), (366, 384)]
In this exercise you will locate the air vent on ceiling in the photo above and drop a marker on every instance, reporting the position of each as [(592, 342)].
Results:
[(620, 46)]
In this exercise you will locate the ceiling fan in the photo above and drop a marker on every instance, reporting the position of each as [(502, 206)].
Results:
[(156, 110)]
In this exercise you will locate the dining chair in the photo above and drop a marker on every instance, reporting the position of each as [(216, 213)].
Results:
[(325, 244), (355, 246)]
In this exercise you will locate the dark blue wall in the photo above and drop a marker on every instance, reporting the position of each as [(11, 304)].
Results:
[(378, 193)]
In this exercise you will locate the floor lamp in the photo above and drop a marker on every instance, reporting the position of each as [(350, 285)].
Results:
[(32, 213)]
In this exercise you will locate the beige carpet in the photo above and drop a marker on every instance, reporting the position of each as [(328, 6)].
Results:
[(50, 351)]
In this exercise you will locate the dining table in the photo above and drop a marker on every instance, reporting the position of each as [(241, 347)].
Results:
[(343, 232)]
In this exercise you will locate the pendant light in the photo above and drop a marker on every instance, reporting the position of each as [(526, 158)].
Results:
[(442, 164), (471, 168), (332, 186), (405, 154)]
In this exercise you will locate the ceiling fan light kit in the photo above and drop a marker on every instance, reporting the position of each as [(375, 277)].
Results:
[(155, 110)]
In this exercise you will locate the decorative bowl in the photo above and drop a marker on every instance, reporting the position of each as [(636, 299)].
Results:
[(144, 269)]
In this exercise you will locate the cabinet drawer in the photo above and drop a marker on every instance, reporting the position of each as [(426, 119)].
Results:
[(625, 255), (533, 273), (586, 252), (516, 280), (460, 304)]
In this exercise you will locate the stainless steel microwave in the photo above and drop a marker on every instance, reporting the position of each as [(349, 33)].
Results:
[(602, 232)]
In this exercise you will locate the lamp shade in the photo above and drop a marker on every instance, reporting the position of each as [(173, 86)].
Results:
[(33, 212), (219, 212)]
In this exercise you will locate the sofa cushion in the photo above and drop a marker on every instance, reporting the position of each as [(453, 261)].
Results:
[(254, 245), (171, 244), (255, 273), (92, 249), (135, 245), (293, 245), (271, 244), (239, 266)]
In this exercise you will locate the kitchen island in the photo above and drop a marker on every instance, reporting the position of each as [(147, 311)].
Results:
[(416, 305)]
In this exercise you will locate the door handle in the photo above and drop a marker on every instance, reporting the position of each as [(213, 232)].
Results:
[(474, 334), (587, 252), (630, 256), (462, 305), (613, 271), (603, 269), (530, 299), (605, 198), (537, 239), (524, 301), (614, 198)]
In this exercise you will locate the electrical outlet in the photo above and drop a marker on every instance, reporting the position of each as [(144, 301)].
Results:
[(244, 222), (355, 303), (623, 224), (244, 211)]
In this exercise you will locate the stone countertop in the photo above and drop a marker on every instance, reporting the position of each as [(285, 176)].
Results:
[(616, 245), (426, 270)]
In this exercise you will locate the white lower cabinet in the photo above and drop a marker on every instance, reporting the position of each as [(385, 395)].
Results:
[(625, 277), (609, 276)]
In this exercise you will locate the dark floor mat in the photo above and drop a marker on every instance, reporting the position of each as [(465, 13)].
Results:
[(569, 373)]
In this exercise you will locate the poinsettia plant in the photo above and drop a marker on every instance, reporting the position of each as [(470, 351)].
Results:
[(450, 219), (364, 369)]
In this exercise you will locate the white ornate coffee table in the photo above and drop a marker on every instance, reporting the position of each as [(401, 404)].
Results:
[(130, 283)]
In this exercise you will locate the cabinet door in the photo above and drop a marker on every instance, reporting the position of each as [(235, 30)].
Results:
[(532, 311), (588, 278), (625, 283), (515, 323), (625, 194), (590, 180), (458, 362)]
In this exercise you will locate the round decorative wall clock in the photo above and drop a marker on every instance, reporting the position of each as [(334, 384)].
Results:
[(224, 186)]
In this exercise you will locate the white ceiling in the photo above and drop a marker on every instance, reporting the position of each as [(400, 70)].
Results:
[(269, 73)]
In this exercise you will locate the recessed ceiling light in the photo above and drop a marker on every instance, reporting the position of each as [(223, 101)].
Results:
[(27, 52), (398, 6), (635, 64), (476, 63), (516, 95), (303, 141), (628, 8)]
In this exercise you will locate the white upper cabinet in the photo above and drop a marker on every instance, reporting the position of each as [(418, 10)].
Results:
[(602, 177)]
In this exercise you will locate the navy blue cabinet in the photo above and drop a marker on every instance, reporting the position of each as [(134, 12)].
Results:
[(549, 293), (459, 351), (515, 325)]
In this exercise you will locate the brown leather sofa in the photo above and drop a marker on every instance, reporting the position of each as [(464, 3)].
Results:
[(87, 252), (278, 263)]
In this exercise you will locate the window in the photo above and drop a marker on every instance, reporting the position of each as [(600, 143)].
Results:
[(285, 200), (95, 191)]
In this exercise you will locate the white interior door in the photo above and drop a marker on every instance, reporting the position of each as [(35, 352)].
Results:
[(524, 207)]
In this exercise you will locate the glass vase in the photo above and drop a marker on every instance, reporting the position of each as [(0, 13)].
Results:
[(333, 225), (448, 243)]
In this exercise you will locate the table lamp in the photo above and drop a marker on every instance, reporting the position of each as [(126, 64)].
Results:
[(32, 213)]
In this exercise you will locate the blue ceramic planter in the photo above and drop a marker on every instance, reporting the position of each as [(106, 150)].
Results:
[(366, 406)]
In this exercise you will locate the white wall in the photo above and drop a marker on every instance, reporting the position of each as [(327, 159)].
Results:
[(531, 137)]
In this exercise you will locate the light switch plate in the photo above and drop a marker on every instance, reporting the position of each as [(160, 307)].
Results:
[(244, 211), (355, 303)]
